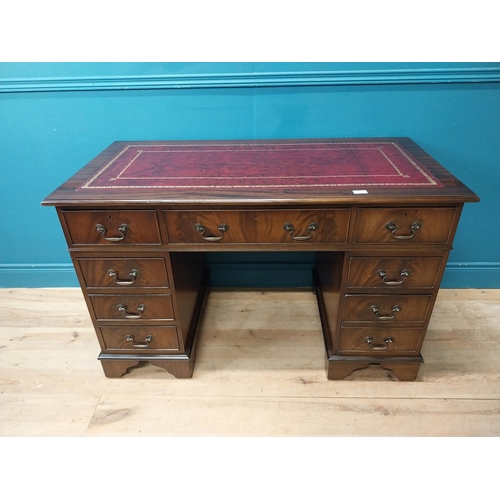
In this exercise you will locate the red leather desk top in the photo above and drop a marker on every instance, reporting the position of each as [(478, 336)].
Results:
[(267, 165), (262, 173)]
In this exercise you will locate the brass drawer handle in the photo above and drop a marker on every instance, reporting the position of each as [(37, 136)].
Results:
[(201, 229), (379, 347), (375, 310), (383, 276), (122, 229), (133, 275), (310, 228), (122, 308), (142, 345), (391, 226)]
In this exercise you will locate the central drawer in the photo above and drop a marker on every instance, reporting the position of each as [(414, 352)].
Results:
[(260, 226), (132, 308)]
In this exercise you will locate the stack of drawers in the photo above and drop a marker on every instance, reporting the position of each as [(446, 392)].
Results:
[(389, 283), (127, 282)]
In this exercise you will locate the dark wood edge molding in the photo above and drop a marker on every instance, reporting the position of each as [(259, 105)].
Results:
[(376, 360)]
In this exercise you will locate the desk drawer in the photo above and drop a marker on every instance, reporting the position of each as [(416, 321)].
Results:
[(210, 226), (132, 308), (393, 272), (386, 309), (124, 272), (404, 226), (303, 226), (109, 227), (379, 341), (260, 226), (139, 339)]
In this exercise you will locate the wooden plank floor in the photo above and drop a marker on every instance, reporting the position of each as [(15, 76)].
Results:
[(259, 372)]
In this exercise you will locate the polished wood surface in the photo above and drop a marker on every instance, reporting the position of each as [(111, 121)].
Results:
[(392, 309), (259, 372), (436, 225), (134, 338), (393, 273), (124, 272), (258, 226), (142, 227), (383, 341), (128, 307)]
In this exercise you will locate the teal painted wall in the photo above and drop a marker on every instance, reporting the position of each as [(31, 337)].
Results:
[(56, 117)]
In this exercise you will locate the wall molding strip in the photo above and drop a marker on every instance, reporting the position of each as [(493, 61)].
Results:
[(241, 80), (37, 275), (471, 275)]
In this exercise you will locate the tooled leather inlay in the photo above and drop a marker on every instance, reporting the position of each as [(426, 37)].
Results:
[(273, 166)]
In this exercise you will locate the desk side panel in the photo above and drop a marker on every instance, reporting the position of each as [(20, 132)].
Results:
[(328, 276), (189, 274)]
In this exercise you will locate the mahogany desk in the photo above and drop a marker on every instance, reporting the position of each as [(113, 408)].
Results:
[(380, 213)]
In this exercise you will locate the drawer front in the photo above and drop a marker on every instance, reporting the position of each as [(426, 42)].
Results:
[(302, 226), (386, 309), (143, 339), (210, 226), (404, 226), (124, 272), (379, 341), (132, 307), (109, 227), (393, 272), (260, 226)]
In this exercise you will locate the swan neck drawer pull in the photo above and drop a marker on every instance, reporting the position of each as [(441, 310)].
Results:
[(122, 308), (375, 310), (142, 345), (310, 228), (133, 275), (122, 229), (391, 226), (379, 347), (383, 276), (201, 229)]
